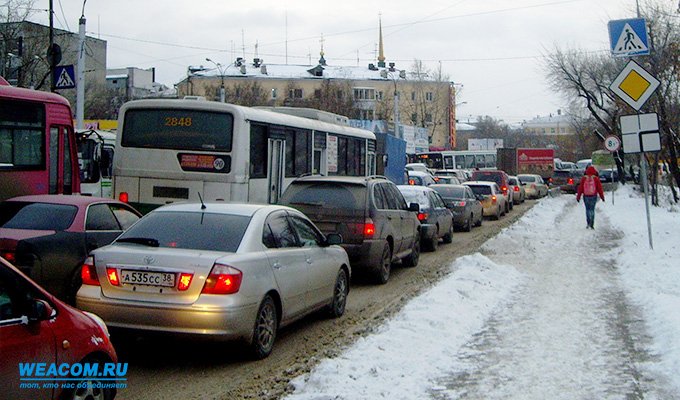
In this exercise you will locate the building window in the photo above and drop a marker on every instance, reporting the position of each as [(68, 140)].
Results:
[(413, 96), (294, 93), (339, 95), (429, 96), (366, 115), (274, 94), (428, 118), (317, 93), (414, 118), (364, 94), (379, 95)]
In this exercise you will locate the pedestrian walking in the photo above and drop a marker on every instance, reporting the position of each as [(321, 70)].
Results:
[(590, 187)]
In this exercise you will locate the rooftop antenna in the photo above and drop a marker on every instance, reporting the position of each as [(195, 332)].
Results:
[(243, 44), (203, 207)]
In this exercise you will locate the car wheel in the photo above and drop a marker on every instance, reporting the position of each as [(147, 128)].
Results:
[(511, 205), (337, 307), (382, 271), (264, 332), (481, 218), (468, 224), (89, 388), (448, 238), (498, 213), (72, 287), (434, 242), (412, 259)]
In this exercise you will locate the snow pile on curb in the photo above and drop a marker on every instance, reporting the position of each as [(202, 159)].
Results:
[(428, 343), (652, 276)]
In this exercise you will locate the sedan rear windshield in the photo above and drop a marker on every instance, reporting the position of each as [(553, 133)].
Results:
[(481, 189), (36, 216), (416, 196), (451, 192), (527, 178), (190, 230), (488, 177)]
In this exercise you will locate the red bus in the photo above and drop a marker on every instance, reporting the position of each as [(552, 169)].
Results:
[(37, 143)]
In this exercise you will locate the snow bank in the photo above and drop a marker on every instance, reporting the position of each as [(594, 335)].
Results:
[(652, 276), (427, 342)]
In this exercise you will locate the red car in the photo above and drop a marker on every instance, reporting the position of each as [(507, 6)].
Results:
[(49, 236), (43, 342)]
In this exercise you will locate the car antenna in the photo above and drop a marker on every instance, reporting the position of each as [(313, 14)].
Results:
[(203, 207)]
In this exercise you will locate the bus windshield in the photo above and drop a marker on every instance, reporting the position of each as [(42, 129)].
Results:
[(178, 129)]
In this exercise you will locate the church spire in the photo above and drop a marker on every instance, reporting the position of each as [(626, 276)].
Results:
[(322, 60), (381, 52)]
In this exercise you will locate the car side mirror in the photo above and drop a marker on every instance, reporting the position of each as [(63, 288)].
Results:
[(39, 310), (414, 207), (333, 238)]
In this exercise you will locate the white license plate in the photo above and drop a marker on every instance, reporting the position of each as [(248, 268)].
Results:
[(148, 278)]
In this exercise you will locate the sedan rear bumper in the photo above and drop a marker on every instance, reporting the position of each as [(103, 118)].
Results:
[(207, 320)]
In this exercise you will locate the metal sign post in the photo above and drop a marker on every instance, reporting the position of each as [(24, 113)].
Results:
[(613, 144), (644, 185)]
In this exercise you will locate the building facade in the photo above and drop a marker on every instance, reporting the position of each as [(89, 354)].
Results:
[(371, 93), (23, 54)]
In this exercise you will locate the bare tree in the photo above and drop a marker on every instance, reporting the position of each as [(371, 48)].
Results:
[(247, 93), (425, 102), (13, 56), (334, 96), (585, 77)]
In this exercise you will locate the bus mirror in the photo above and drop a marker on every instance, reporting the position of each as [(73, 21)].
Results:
[(97, 152)]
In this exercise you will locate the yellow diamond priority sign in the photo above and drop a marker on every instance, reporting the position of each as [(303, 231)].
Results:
[(634, 85)]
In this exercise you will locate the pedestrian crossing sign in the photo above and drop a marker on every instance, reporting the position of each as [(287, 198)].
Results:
[(64, 77), (628, 37)]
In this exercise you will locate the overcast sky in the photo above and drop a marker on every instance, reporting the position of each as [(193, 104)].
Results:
[(493, 48)]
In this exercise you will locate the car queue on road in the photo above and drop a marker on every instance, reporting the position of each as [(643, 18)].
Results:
[(240, 272)]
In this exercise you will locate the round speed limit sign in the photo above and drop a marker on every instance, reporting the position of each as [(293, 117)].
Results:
[(612, 143)]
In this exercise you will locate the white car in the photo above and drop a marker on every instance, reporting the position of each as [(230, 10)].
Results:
[(223, 270)]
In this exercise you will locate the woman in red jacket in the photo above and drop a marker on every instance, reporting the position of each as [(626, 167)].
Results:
[(590, 187)]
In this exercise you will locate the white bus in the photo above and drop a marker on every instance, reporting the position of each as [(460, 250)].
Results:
[(95, 159), (458, 159), (174, 150)]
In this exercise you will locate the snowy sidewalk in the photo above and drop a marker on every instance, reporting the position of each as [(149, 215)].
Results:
[(548, 310)]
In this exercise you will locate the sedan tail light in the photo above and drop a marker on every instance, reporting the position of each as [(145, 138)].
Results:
[(184, 281), (516, 189), (493, 199), (124, 197), (422, 216), (9, 256), (223, 279), (112, 275), (570, 181), (533, 186), (88, 273), (459, 204), (504, 189)]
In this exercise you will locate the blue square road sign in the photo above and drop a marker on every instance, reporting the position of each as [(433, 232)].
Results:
[(628, 37)]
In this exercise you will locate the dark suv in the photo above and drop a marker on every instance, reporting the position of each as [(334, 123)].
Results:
[(377, 226)]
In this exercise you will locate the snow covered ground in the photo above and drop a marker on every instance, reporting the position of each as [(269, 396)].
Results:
[(546, 310)]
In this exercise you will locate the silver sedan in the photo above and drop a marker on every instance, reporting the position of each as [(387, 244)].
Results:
[(230, 271)]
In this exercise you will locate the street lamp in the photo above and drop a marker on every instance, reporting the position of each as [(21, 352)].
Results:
[(221, 69), (80, 84)]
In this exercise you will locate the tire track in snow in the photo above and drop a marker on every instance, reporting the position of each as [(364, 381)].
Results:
[(569, 333)]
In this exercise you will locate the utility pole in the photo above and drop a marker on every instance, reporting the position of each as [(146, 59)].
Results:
[(50, 50), (80, 84)]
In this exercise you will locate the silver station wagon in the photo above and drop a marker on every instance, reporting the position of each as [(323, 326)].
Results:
[(230, 271)]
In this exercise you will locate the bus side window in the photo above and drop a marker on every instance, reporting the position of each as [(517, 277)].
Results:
[(258, 151)]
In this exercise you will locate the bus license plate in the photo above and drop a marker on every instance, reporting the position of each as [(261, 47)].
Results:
[(148, 278)]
